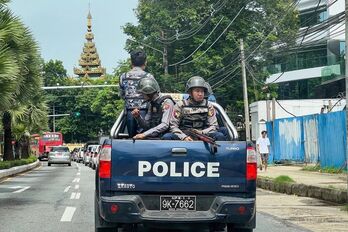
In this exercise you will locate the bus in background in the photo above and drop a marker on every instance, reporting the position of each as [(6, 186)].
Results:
[(41, 145)]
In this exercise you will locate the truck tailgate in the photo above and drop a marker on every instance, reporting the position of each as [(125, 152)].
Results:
[(177, 166)]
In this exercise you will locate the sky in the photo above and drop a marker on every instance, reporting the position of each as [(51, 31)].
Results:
[(59, 27)]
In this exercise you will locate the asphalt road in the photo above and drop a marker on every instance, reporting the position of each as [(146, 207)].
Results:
[(61, 198)]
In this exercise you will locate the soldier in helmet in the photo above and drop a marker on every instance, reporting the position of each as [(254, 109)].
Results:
[(157, 119), (194, 113), (128, 89)]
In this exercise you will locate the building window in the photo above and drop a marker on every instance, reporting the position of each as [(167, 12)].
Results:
[(306, 58), (342, 48), (313, 17)]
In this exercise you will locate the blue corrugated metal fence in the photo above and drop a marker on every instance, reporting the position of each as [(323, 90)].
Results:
[(312, 138)]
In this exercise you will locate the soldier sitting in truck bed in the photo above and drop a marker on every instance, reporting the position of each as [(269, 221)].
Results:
[(156, 121), (194, 113)]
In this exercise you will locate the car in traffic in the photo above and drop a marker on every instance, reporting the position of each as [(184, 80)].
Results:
[(95, 156), (59, 155), (79, 155)]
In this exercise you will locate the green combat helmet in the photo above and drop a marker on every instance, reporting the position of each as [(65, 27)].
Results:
[(196, 82), (148, 85)]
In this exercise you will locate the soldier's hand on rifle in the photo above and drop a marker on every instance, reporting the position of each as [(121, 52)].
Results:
[(139, 136), (135, 113), (188, 138), (198, 131)]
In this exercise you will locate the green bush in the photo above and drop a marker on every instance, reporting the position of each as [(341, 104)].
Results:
[(283, 179), (14, 163)]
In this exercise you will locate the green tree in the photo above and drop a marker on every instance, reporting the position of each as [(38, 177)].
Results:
[(98, 108), (53, 72), (183, 26), (25, 80)]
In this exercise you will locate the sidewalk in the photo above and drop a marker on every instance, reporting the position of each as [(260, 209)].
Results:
[(18, 169), (330, 187)]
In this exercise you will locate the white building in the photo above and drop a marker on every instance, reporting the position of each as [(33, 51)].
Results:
[(258, 111), (316, 67)]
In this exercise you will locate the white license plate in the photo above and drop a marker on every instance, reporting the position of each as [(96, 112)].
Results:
[(178, 203)]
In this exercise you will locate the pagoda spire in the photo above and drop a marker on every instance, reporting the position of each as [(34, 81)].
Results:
[(90, 65)]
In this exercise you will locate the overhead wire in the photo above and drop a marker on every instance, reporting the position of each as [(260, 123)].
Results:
[(206, 38), (222, 81), (189, 33), (300, 45), (284, 108), (291, 5), (223, 32)]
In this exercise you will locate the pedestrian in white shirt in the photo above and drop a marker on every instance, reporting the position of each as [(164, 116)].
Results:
[(263, 148)]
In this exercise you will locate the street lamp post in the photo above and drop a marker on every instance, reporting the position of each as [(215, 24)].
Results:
[(164, 54)]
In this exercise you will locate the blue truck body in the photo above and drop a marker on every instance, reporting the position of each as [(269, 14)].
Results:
[(166, 183)]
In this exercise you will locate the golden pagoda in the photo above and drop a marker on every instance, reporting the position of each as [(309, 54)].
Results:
[(89, 61)]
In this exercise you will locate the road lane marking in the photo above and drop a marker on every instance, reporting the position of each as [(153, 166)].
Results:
[(22, 190), (67, 189), (78, 174), (68, 214), (78, 195), (77, 186), (76, 180), (73, 195)]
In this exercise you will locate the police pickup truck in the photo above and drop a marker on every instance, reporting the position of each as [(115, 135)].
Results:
[(160, 183)]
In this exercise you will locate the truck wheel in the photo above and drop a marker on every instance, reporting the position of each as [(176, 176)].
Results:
[(99, 224), (232, 228), (69, 164), (48, 164)]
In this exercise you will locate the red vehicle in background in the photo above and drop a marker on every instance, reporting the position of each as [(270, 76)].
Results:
[(41, 145)]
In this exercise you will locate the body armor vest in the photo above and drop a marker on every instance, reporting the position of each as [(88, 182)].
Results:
[(132, 97), (194, 117)]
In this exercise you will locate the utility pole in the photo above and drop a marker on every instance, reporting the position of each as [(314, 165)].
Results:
[(245, 93), (268, 107), (54, 118), (273, 109), (165, 55)]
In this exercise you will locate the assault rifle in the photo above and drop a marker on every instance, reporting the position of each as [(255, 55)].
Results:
[(195, 135)]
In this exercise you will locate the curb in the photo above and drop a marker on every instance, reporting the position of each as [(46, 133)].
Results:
[(15, 170), (326, 194)]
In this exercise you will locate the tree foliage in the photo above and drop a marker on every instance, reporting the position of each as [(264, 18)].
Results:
[(183, 26), (22, 106), (92, 111)]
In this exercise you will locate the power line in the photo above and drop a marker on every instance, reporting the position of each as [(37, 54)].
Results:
[(299, 46), (284, 108), (206, 38), (224, 78), (291, 5), (223, 32), (247, 65), (189, 33), (315, 11)]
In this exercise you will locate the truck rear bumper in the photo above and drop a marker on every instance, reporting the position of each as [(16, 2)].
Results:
[(223, 209)]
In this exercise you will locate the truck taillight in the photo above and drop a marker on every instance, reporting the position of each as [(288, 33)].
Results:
[(105, 162), (251, 168)]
